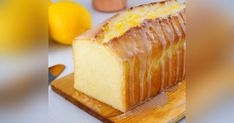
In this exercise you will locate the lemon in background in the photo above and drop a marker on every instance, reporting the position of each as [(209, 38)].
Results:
[(67, 20)]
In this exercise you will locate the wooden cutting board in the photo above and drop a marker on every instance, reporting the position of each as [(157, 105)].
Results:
[(170, 112)]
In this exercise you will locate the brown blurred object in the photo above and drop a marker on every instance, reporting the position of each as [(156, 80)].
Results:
[(109, 5), (209, 35), (16, 92), (210, 68)]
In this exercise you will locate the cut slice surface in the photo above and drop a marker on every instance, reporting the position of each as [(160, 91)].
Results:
[(99, 73)]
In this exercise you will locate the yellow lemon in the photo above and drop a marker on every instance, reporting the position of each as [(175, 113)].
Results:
[(67, 20)]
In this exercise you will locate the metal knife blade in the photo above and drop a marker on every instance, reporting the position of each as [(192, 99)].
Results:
[(54, 72)]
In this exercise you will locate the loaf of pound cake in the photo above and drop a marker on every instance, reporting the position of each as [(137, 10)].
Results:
[(133, 56)]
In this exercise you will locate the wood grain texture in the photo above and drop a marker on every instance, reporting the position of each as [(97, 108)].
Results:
[(171, 112)]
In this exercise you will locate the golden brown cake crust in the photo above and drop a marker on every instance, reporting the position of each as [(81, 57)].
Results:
[(140, 46)]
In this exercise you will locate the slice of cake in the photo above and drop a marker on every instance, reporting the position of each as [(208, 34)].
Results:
[(133, 56)]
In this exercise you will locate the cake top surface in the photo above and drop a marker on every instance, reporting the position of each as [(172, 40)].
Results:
[(132, 17), (123, 21)]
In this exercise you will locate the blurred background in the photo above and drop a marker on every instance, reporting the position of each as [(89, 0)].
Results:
[(210, 70), (32, 39)]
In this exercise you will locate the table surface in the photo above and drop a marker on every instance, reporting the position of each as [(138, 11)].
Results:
[(60, 110)]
